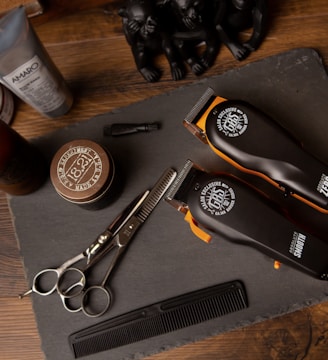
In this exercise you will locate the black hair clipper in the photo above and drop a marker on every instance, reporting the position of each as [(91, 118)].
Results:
[(228, 207), (254, 143)]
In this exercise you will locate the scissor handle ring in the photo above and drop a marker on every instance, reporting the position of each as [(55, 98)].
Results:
[(37, 288), (69, 288), (92, 295), (68, 304)]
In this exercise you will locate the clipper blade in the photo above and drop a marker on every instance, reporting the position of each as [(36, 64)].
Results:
[(175, 195), (199, 106), (190, 120)]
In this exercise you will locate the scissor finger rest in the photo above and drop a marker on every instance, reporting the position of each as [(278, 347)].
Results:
[(41, 283)]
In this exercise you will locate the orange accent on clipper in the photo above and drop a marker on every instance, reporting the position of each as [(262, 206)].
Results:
[(196, 230), (277, 265)]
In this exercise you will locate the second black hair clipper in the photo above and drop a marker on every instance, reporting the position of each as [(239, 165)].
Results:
[(228, 207), (254, 143)]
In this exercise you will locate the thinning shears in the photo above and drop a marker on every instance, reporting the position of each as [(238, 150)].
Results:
[(91, 254), (70, 282)]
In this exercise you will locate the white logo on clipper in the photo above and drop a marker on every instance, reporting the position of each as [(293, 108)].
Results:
[(297, 245), (232, 122), (323, 185), (217, 198)]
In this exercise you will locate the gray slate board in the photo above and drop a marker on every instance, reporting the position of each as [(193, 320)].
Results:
[(166, 259)]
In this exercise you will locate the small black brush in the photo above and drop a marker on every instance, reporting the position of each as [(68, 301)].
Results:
[(129, 128)]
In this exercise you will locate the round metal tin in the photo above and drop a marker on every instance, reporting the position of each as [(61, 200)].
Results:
[(83, 172)]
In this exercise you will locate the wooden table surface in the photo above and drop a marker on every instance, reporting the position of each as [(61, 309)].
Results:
[(89, 48)]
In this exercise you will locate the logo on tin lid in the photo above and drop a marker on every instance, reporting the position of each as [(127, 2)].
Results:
[(217, 198), (79, 168)]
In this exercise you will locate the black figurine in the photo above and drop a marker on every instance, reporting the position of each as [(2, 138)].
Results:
[(191, 23), (144, 34), (178, 27), (238, 15)]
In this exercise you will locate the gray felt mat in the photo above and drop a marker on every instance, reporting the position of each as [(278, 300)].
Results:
[(166, 259)]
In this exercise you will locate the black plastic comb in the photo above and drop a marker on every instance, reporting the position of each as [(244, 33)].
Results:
[(160, 318)]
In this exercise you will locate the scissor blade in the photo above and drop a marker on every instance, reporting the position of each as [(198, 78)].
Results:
[(104, 242), (131, 226), (126, 214), (123, 228)]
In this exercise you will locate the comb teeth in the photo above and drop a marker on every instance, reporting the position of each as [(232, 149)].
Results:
[(156, 194), (171, 315)]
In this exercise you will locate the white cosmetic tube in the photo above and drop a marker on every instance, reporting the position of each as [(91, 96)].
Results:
[(27, 69)]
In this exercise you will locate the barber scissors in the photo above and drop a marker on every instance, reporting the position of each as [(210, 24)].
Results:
[(92, 254), (71, 282)]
